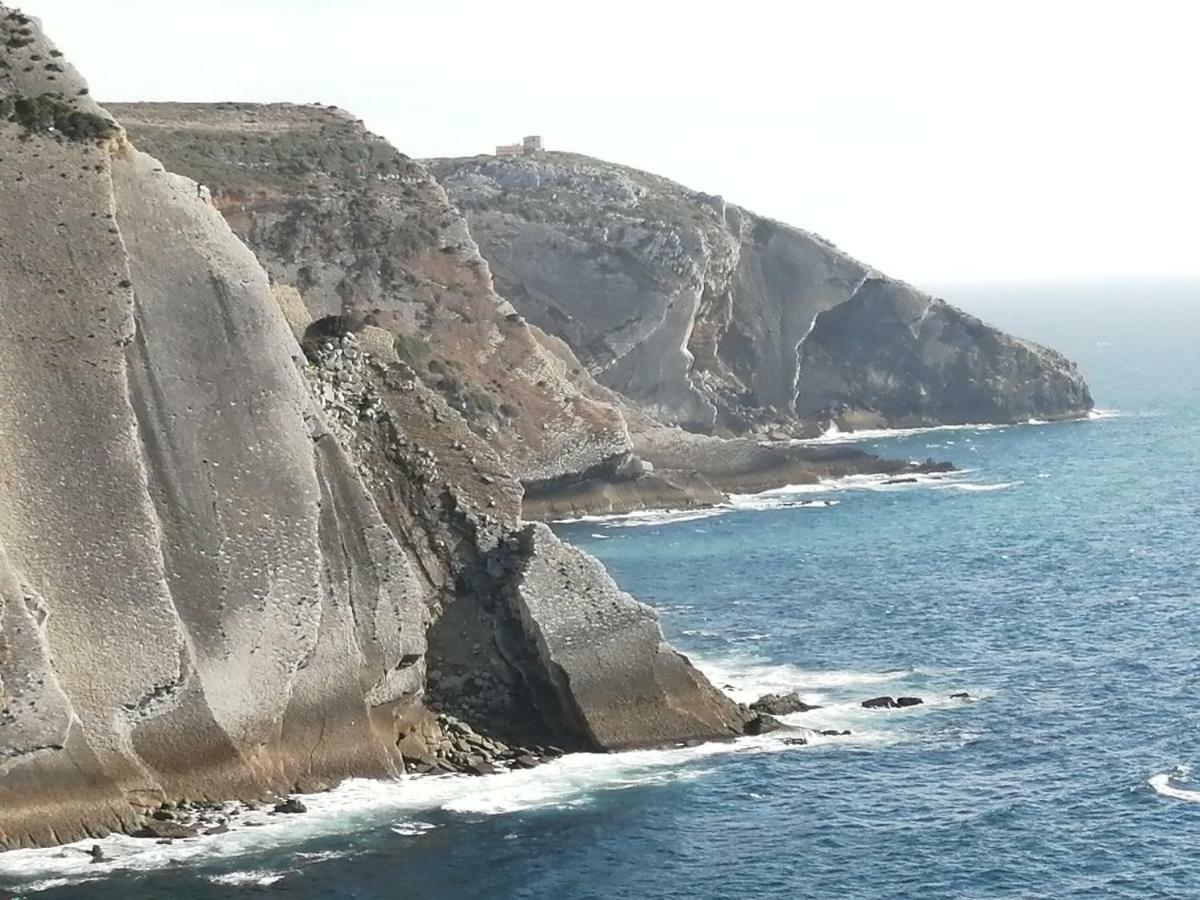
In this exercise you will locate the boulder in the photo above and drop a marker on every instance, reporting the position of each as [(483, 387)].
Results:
[(763, 724), (891, 702), (616, 684), (165, 830), (781, 704), (290, 806), (879, 703)]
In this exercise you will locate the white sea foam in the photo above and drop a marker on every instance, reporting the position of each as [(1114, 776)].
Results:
[(897, 481), (402, 805), (794, 496), (1165, 784), (759, 502), (834, 435), (981, 488), (643, 517), (746, 678), (410, 805), (413, 828), (260, 877)]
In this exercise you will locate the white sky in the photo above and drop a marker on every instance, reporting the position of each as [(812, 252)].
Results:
[(938, 141)]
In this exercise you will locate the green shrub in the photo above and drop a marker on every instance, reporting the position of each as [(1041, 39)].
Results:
[(413, 349), (40, 114)]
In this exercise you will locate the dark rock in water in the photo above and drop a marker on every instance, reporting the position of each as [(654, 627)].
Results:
[(763, 723), (163, 815), (796, 741), (781, 704), (834, 733), (901, 481), (879, 703), (97, 854), (156, 829), (290, 805), (891, 703), (482, 768), (961, 695), (527, 762), (216, 829)]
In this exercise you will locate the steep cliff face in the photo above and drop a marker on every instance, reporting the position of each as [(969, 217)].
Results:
[(891, 356), (227, 568), (357, 228), (718, 320)]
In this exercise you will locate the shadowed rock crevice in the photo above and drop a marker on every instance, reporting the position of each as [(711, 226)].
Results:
[(225, 560)]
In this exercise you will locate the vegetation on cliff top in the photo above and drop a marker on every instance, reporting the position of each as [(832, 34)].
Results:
[(48, 114)]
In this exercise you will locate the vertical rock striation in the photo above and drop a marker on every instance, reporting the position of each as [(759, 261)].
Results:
[(356, 228), (718, 320), (225, 563)]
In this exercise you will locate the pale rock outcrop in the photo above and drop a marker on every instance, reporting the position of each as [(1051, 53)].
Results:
[(359, 229), (225, 565), (593, 638), (713, 318)]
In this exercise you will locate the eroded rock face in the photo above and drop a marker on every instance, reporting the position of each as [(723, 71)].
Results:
[(605, 654), (356, 228), (891, 356), (718, 320), (225, 565)]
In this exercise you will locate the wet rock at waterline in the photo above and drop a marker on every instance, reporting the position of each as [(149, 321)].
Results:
[(891, 702), (781, 704)]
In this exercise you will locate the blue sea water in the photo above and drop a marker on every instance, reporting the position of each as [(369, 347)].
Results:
[(1055, 580)]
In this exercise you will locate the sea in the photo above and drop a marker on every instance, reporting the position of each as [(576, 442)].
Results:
[(1053, 578)]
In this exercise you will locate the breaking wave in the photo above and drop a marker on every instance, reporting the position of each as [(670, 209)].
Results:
[(1166, 784), (786, 495), (834, 435), (408, 806), (746, 678), (642, 517)]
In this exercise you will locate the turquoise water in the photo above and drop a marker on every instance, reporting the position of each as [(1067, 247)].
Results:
[(1055, 580)]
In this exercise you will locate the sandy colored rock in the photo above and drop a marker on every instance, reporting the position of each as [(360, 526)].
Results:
[(227, 560)]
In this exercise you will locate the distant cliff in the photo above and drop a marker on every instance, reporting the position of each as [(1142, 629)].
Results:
[(347, 226), (711, 317), (230, 566), (356, 228)]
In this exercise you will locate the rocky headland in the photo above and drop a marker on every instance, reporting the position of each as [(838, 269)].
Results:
[(348, 226), (235, 563), (273, 434), (710, 317)]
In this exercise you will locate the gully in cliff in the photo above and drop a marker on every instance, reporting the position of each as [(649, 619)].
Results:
[(230, 570)]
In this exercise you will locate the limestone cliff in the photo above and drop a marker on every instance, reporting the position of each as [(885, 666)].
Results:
[(716, 319), (357, 228), (229, 567), (348, 226)]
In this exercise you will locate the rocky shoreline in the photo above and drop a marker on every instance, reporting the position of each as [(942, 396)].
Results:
[(461, 751), (273, 442)]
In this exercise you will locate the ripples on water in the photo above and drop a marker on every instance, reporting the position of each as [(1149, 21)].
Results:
[(1055, 581)]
